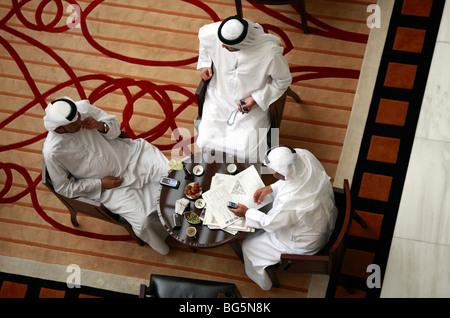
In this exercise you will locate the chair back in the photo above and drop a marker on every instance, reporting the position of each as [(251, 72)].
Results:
[(276, 110), (88, 207), (79, 204), (162, 286), (337, 243), (200, 93), (329, 259)]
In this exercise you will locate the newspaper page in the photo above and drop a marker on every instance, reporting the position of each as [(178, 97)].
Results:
[(240, 189), (216, 180), (245, 186)]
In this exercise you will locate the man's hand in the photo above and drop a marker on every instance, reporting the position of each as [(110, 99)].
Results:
[(249, 103), (206, 73), (90, 124), (111, 182), (261, 193), (240, 210)]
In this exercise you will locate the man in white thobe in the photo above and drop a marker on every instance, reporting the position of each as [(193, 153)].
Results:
[(248, 65), (85, 157), (302, 217)]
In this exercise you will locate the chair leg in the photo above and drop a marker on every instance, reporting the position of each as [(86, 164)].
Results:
[(238, 4), (301, 3), (294, 95), (273, 277), (303, 17), (73, 218), (143, 291)]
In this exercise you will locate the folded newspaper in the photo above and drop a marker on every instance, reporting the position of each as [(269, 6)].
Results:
[(240, 189)]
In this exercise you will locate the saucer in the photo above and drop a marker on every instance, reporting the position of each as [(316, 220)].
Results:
[(198, 170), (231, 168)]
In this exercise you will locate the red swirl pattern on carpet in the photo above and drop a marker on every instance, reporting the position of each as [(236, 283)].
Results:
[(123, 85)]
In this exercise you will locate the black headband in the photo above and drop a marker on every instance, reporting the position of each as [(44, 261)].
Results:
[(73, 107), (266, 158), (240, 38)]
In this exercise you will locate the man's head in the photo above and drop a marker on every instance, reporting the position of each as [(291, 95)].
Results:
[(232, 32), (61, 116), (237, 34), (284, 162)]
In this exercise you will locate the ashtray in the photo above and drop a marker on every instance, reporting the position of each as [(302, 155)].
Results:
[(192, 217), (198, 170)]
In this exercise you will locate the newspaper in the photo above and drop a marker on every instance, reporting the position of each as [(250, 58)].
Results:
[(240, 189)]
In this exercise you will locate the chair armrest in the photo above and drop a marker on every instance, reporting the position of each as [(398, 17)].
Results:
[(88, 201), (313, 264), (200, 94), (276, 110), (123, 134), (303, 258)]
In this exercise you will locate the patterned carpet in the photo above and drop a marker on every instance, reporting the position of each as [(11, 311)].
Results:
[(136, 59)]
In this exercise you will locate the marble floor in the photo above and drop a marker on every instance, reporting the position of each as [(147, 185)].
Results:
[(419, 259)]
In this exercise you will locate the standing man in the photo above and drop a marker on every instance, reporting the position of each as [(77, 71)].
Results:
[(302, 217), (248, 65), (85, 157)]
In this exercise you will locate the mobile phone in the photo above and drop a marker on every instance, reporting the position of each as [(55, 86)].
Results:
[(176, 221), (244, 109), (169, 182), (232, 205)]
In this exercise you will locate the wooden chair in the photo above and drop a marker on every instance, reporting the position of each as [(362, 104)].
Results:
[(275, 109), (162, 286), (329, 260), (304, 20), (89, 207)]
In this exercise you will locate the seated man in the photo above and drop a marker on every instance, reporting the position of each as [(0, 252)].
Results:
[(248, 65), (85, 157), (302, 217)]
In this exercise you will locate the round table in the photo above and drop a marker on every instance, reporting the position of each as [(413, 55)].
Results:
[(205, 237)]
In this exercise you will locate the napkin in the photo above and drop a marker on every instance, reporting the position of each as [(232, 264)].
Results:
[(180, 205)]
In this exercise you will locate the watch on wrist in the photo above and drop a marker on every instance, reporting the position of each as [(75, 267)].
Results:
[(105, 127)]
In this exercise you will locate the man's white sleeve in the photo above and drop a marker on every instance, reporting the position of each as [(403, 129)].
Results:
[(68, 186), (279, 79)]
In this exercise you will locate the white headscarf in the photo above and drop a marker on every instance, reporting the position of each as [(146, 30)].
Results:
[(307, 189), (56, 114), (233, 30)]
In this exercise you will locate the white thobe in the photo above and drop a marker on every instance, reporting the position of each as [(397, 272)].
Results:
[(261, 72), (77, 161), (285, 232)]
